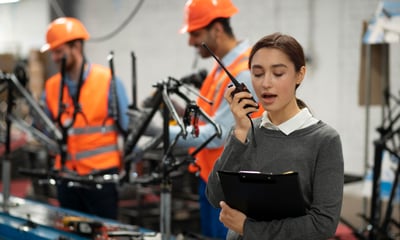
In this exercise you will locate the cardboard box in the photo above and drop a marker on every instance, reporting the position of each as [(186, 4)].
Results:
[(373, 71), (36, 73), (7, 62)]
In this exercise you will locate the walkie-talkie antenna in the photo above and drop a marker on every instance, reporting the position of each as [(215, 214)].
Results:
[(240, 87), (233, 79)]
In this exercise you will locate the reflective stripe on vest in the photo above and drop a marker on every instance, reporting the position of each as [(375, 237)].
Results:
[(91, 153), (88, 130)]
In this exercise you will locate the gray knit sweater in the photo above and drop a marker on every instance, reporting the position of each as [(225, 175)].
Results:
[(315, 152)]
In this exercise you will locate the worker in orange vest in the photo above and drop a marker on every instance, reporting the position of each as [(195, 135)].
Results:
[(79, 99), (208, 21)]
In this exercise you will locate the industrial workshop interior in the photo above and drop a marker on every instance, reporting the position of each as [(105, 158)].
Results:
[(126, 158)]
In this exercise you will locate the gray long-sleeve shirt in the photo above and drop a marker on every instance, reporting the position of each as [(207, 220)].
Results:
[(315, 152)]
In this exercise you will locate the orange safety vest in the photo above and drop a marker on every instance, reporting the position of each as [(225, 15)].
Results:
[(92, 140), (213, 89)]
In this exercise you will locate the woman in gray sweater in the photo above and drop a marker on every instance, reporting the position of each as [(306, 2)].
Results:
[(286, 138)]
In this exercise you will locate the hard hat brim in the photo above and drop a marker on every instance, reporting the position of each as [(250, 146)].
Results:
[(183, 29), (45, 48)]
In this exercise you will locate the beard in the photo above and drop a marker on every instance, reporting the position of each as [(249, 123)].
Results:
[(70, 63)]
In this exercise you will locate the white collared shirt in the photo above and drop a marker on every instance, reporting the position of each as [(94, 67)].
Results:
[(301, 120)]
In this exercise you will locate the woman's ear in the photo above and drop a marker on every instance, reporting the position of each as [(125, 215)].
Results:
[(300, 75)]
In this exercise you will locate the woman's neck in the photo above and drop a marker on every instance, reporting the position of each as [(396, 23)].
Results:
[(281, 116)]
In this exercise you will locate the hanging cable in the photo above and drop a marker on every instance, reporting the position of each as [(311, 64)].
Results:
[(122, 26), (56, 7)]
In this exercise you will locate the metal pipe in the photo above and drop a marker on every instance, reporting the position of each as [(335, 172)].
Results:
[(134, 82)]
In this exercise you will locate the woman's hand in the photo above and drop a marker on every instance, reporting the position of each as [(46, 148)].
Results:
[(232, 218), (241, 105)]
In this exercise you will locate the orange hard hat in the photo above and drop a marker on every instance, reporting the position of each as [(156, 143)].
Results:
[(63, 30), (199, 13)]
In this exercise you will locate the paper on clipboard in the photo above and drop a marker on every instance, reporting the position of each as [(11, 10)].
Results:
[(262, 196)]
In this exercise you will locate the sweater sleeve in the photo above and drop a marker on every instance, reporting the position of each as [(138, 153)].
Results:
[(230, 161), (323, 214)]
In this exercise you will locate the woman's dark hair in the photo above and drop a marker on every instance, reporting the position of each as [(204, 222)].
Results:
[(286, 44)]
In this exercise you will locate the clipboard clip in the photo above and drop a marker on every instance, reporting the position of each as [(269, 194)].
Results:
[(255, 176), (250, 176)]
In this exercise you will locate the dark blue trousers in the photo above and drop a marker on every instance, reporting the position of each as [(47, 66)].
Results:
[(210, 224), (100, 202)]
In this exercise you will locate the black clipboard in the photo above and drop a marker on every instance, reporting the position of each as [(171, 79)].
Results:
[(262, 196)]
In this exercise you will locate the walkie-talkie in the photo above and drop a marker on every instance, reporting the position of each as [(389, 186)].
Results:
[(240, 87)]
